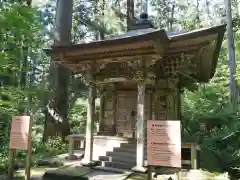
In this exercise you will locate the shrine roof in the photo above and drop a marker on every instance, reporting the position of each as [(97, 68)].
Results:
[(205, 42), (139, 36), (130, 37)]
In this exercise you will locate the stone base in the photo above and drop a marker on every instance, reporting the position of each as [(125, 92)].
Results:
[(139, 169), (88, 163)]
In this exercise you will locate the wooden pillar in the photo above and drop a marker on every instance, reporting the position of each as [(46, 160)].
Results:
[(180, 104), (193, 156), (140, 128), (150, 117), (114, 121), (150, 109), (141, 118), (88, 154), (101, 110)]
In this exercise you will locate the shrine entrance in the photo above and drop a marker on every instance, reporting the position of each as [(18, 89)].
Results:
[(126, 114)]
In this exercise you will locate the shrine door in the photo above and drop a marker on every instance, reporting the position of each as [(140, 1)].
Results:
[(126, 113)]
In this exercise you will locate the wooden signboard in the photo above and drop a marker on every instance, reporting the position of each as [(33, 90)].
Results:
[(20, 132), (20, 139), (164, 143)]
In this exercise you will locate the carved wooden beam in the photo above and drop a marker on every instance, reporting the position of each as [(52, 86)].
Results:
[(108, 55)]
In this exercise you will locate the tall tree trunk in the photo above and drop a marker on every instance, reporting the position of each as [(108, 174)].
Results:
[(144, 6), (231, 56), (198, 21), (24, 65), (102, 9), (130, 14), (171, 20), (208, 11), (56, 117)]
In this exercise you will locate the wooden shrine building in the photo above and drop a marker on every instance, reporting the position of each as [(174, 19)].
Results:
[(140, 76)]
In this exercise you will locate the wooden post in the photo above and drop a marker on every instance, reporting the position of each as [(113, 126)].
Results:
[(179, 175), (29, 152), (10, 164), (141, 119), (150, 168), (88, 154), (179, 104), (101, 110), (193, 156), (114, 122), (140, 128)]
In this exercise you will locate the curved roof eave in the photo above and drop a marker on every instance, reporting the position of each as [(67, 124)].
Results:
[(142, 35), (128, 38), (217, 31)]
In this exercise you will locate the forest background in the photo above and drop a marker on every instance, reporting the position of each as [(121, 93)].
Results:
[(31, 84)]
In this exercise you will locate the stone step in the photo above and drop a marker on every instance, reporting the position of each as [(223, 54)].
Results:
[(118, 165), (130, 150), (129, 145), (121, 154)]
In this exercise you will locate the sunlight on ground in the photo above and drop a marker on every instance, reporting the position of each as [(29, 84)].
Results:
[(34, 172)]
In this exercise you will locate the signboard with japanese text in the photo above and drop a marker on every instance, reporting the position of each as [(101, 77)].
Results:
[(164, 143), (19, 132)]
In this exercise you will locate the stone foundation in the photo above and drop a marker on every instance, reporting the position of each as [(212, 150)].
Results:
[(103, 144)]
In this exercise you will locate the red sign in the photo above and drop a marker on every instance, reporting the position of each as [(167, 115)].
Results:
[(164, 143), (19, 132)]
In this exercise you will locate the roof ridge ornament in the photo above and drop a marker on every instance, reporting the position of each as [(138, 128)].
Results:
[(143, 22)]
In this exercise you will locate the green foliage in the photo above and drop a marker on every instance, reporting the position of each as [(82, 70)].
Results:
[(53, 147), (208, 115), (39, 150), (78, 116)]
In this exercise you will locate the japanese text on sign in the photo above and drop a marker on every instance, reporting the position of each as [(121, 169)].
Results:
[(164, 143), (19, 132)]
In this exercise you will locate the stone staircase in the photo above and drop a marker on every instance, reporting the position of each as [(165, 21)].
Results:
[(123, 157)]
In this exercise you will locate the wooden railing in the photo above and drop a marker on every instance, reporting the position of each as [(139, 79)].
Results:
[(193, 162), (76, 142)]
